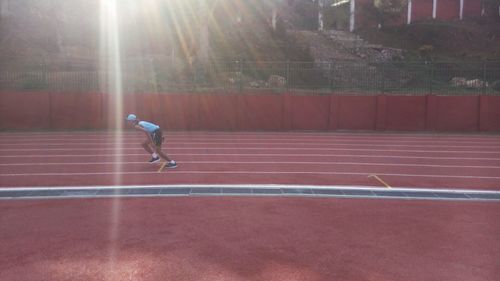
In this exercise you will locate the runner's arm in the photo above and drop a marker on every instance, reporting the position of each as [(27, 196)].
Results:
[(146, 132)]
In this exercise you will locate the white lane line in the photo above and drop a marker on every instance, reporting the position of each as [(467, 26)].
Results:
[(81, 155), (261, 139), (28, 140), (315, 144), (258, 148), (251, 133), (248, 138), (254, 186), (256, 162), (365, 174), (251, 155), (296, 137)]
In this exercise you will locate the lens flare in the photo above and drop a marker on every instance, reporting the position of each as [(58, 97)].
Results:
[(111, 82)]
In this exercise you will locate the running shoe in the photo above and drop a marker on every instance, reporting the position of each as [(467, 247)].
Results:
[(154, 159), (172, 164)]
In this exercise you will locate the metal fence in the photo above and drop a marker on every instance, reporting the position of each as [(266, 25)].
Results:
[(354, 77)]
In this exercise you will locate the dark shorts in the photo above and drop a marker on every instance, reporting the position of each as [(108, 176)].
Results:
[(157, 137)]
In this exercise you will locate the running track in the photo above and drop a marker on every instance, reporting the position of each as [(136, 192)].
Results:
[(399, 160), (250, 238)]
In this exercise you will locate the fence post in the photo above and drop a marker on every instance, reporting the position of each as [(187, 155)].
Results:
[(330, 76), (431, 65), (240, 76), (383, 78), (287, 75), (484, 77)]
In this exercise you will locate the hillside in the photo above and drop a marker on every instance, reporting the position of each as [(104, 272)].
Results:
[(470, 39), (65, 35)]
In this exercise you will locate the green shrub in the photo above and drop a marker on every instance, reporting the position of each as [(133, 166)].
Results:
[(30, 83), (496, 85)]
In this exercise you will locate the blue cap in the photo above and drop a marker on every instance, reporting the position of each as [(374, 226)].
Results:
[(131, 117)]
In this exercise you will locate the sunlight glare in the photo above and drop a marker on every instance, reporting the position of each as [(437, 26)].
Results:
[(110, 64)]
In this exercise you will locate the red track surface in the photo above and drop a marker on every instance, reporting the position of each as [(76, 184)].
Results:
[(401, 160), (258, 238), (214, 238)]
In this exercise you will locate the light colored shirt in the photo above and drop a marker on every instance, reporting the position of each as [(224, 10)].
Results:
[(150, 127)]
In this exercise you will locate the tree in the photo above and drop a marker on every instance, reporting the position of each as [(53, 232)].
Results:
[(4, 8), (389, 9), (204, 40), (320, 7), (492, 8)]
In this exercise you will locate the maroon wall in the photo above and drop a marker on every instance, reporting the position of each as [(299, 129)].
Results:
[(453, 113), (309, 112), (366, 15), (260, 111), (180, 111), (252, 111), (218, 112), (489, 113), (66, 111), (24, 110), (114, 116), (448, 9), (152, 105), (354, 112), (405, 113), (472, 8), (421, 10)]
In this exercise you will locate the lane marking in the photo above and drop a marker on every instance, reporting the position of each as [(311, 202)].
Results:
[(315, 144), (250, 173), (256, 162), (284, 186), (254, 138), (257, 148), (111, 133), (250, 155), (94, 196), (380, 180), (86, 192)]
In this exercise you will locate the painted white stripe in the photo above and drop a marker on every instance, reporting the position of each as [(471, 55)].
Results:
[(259, 163), (248, 173), (324, 144), (86, 197), (262, 139), (252, 154), (248, 195), (336, 141), (257, 148), (255, 186), (71, 134), (261, 134)]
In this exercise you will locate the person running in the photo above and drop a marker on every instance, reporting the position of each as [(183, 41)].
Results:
[(154, 140)]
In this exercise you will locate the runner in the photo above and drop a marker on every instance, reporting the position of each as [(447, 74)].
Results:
[(154, 140)]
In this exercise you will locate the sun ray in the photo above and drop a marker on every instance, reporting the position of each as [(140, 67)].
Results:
[(111, 67), (179, 34)]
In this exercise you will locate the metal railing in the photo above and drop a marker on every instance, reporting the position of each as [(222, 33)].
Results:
[(355, 77)]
